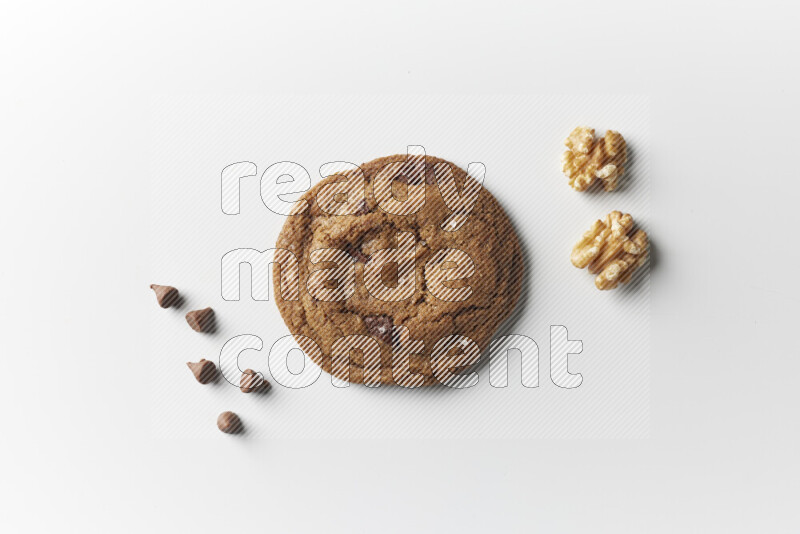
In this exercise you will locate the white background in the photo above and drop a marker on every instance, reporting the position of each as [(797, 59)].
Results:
[(518, 138), (78, 449)]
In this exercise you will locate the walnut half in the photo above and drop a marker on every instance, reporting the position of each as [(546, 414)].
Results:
[(587, 159), (606, 249)]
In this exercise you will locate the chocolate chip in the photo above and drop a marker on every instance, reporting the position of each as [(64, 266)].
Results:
[(165, 295), (252, 381), (229, 423), (201, 320), (402, 179), (363, 209), (380, 327), (430, 175), (356, 253), (204, 371)]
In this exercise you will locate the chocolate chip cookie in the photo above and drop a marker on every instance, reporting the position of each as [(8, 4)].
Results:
[(392, 268)]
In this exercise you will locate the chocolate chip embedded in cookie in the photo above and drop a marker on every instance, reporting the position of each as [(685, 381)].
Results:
[(395, 251), (379, 327)]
